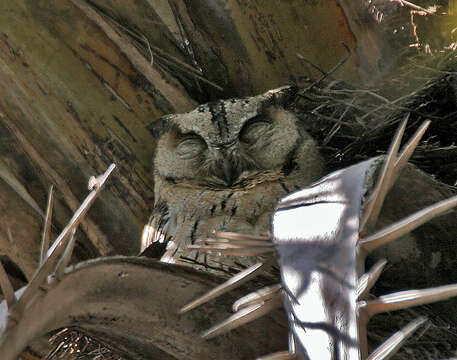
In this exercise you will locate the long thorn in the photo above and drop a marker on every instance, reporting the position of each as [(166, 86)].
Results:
[(280, 355), (292, 347), (387, 349), (230, 284), (59, 245), (47, 226), (66, 257), (9, 235), (238, 236), (406, 225), (374, 203), (257, 297), (7, 288), (242, 317), (407, 151), (362, 322), (235, 243), (223, 250), (84, 207), (416, 7), (408, 298), (367, 280)]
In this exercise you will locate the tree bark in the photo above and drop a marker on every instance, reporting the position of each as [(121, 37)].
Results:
[(75, 98)]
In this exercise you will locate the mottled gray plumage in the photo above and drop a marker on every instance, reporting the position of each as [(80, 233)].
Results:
[(224, 166)]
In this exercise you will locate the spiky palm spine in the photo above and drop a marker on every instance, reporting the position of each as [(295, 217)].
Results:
[(323, 282), (322, 235)]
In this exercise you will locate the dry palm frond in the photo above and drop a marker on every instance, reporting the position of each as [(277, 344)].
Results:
[(316, 232)]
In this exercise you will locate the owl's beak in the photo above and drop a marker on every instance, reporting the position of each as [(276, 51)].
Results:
[(230, 172)]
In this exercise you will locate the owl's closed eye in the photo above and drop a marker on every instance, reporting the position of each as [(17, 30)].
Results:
[(190, 147)]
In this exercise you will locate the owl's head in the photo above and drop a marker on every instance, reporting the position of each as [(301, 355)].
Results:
[(233, 143)]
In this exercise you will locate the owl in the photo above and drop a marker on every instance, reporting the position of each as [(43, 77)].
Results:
[(223, 167)]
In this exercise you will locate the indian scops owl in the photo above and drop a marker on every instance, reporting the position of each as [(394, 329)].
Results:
[(224, 166)]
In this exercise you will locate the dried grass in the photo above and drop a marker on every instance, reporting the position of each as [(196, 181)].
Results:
[(73, 344), (352, 124)]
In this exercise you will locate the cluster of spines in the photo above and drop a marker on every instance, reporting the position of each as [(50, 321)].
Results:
[(53, 260), (261, 302)]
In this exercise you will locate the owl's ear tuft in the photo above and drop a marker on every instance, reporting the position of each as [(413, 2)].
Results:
[(281, 97), (160, 126)]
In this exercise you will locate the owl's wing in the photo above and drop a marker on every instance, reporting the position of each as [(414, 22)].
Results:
[(155, 237)]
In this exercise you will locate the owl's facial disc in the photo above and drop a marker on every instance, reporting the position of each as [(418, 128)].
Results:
[(229, 145)]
